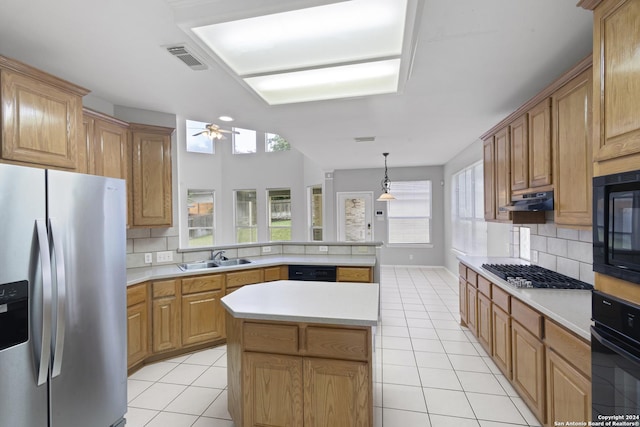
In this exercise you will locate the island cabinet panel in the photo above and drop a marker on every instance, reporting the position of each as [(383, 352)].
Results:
[(41, 118), (617, 87), (528, 368), (273, 390), (354, 274), (271, 338), (202, 317), (572, 151), (350, 344), (336, 393)]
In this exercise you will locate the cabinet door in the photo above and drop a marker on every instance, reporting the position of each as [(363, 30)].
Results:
[(528, 369), (519, 154), (151, 178), (244, 277), (137, 335), (166, 324), (568, 391), (272, 387), (275, 273), (540, 145), (472, 304), (501, 335), (202, 317), (503, 179), (489, 168), (573, 152), (615, 61), (107, 151), (484, 322), (462, 293), (337, 393), (41, 123), (354, 274)]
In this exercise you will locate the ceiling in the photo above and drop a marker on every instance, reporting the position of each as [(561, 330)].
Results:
[(475, 63)]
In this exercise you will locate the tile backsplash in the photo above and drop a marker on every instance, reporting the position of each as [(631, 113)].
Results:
[(564, 250)]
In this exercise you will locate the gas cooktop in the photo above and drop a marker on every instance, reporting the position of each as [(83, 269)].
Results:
[(534, 276)]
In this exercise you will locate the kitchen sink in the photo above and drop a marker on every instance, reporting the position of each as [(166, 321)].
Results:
[(230, 262), (199, 265)]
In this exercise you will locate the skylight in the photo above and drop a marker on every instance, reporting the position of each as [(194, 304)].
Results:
[(346, 49)]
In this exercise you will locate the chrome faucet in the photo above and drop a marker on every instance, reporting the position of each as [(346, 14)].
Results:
[(218, 255)]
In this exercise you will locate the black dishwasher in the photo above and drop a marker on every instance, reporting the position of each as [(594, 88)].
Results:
[(318, 273)]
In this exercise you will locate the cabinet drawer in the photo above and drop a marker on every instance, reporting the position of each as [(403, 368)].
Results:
[(462, 270), (572, 348), (351, 344), (246, 277), (472, 278), (527, 317), (202, 284), (270, 338), (136, 294), (500, 298), (354, 274), (164, 288), (276, 273), (484, 286)]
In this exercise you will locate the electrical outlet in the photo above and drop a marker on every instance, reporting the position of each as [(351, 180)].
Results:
[(266, 249), (148, 258), (164, 256), (323, 248)]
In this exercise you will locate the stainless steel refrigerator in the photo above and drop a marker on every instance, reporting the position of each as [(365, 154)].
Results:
[(62, 299)]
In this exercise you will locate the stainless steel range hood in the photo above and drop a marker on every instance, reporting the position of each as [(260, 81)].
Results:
[(539, 201)]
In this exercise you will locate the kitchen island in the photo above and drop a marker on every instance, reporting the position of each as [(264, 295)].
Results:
[(301, 353)]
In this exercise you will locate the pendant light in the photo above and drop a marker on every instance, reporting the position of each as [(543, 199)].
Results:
[(386, 184)]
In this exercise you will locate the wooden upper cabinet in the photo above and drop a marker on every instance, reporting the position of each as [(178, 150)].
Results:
[(41, 117), (489, 171), (502, 174), (572, 151), (150, 183), (540, 164), (519, 154), (106, 144), (616, 76)]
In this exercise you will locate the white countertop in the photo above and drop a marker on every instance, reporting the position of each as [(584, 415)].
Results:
[(142, 274), (343, 303), (570, 308)]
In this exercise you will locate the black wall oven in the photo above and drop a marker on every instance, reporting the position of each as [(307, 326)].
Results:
[(615, 359), (616, 225)]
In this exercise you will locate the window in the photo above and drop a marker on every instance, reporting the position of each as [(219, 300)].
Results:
[(200, 218), (315, 213), (201, 143), (409, 215), (469, 230), (274, 142), (244, 142), (246, 217), (279, 214)]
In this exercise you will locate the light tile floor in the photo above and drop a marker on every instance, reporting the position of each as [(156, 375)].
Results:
[(431, 371)]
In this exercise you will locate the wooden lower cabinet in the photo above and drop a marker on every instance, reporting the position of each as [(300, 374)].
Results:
[(472, 304), (354, 274), (336, 393), (484, 322), (528, 368), (568, 391), (501, 339), (276, 273), (244, 277), (273, 390), (166, 324), (462, 294), (137, 334), (202, 317)]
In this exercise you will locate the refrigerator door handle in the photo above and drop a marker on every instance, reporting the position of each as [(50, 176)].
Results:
[(42, 348), (61, 297)]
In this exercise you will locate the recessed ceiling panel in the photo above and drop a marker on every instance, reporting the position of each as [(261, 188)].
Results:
[(348, 31)]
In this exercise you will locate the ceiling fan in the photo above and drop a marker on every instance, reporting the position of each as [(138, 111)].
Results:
[(213, 131)]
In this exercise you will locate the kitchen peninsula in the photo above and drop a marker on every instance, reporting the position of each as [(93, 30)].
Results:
[(301, 353)]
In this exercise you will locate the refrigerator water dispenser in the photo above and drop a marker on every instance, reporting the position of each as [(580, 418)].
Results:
[(14, 313)]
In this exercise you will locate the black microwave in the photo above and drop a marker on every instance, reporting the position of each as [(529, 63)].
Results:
[(616, 225)]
